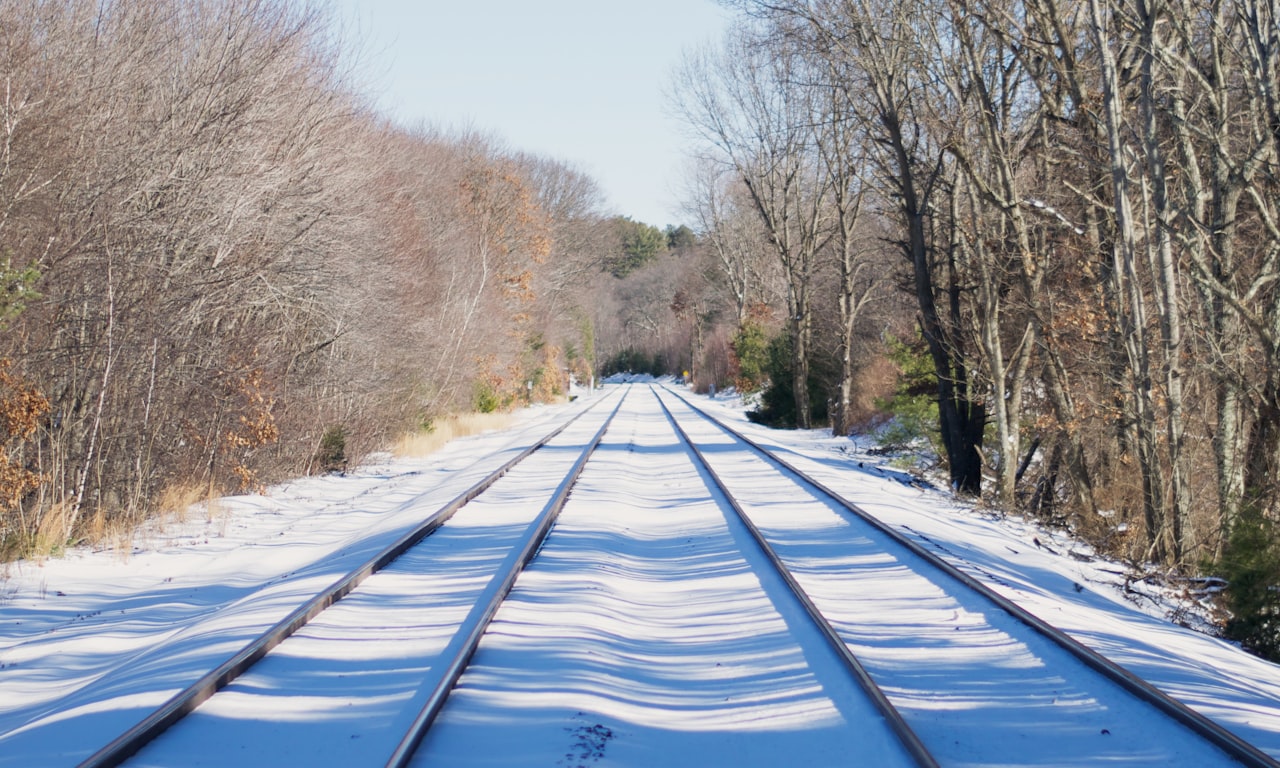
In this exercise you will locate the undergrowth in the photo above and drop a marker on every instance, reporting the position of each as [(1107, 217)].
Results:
[(440, 431)]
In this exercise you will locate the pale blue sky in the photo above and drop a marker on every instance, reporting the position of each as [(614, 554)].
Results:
[(582, 81)]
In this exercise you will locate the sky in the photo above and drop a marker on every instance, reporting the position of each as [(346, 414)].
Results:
[(580, 81), (646, 632)]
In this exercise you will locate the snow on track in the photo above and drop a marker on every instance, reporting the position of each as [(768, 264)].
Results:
[(1059, 580), (649, 632), (974, 683), (84, 659), (345, 688)]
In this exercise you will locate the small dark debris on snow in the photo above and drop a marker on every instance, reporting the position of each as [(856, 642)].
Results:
[(588, 746), (1045, 547)]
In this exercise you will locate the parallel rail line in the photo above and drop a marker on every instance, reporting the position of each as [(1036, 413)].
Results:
[(910, 741), (124, 746), (403, 753), (1229, 743), (470, 632)]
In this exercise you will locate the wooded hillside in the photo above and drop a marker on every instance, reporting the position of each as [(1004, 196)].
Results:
[(1045, 235), (1080, 201), (216, 255)]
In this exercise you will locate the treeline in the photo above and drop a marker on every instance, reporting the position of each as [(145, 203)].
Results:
[(220, 267), (1080, 203), (1061, 221)]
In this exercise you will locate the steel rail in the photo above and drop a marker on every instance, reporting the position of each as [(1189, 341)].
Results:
[(907, 736), (1231, 744), (186, 701), (404, 751)]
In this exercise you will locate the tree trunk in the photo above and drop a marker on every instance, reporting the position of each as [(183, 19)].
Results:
[(799, 326), (1178, 522), (1132, 311)]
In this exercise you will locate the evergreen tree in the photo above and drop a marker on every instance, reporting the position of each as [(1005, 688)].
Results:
[(638, 245)]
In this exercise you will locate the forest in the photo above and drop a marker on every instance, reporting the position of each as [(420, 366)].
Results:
[(222, 268), (1078, 203), (1037, 238)]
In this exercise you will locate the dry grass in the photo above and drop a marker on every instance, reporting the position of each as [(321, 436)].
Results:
[(876, 380), (450, 428), (177, 503), (174, 504), (114, 534), (51, 533)]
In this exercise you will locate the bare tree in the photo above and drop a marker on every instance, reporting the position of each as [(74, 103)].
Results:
[(728, 225), (748, 101), (1213, 86), (875, 42), (841, 141)]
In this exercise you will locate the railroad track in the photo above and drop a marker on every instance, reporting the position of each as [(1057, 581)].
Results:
[(697, 590), (226, 633), (189, 700), (1021, 627), (648, 632)]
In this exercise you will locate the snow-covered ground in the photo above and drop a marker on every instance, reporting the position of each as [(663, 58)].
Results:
[(1060, 580), (65, 622)]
